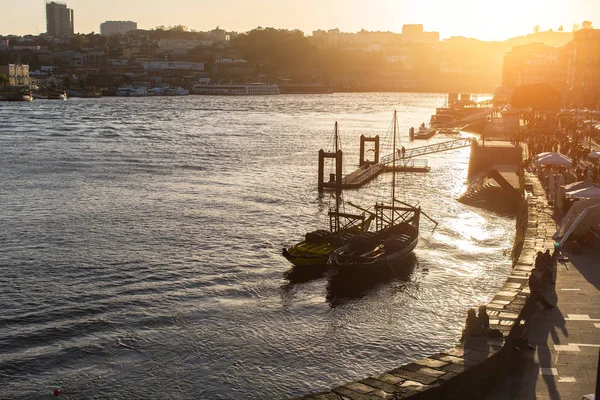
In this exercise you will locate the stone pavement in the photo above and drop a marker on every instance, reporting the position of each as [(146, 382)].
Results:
[(564, 363)]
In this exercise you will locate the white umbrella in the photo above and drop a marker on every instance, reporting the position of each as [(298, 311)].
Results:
[(594, 154), (590, 192), (572, 187), (555, 159), (544, 154)]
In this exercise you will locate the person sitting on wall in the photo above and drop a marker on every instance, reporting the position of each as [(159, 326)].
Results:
[(484, 319), (472, 325)]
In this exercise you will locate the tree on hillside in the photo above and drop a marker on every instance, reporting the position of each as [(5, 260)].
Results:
[(4, 81), (586, 25), (537, 96), (276, 49), (576, 27), (560, 28), (536, 29)]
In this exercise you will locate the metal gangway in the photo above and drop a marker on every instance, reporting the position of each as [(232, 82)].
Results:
[(424, 150), (368, 172)]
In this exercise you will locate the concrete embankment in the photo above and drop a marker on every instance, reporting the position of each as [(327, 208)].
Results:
[(469, 369)]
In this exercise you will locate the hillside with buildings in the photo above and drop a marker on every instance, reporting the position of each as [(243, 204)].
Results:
[(413, 60)]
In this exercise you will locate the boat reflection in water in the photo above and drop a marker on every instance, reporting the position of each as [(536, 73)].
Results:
[(303, 275), (343, 287)]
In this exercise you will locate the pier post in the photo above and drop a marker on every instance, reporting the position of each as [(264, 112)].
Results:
[(321, 168), (338, 156), (364, 139), (361, 160)]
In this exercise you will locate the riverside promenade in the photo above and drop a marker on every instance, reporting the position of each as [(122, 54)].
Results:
[(566, 339)]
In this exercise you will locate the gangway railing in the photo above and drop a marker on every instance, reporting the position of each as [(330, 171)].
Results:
[(363, 174), (423, 150)]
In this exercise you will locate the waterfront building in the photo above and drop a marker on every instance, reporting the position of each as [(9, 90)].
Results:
[(59, 19), (584, 67), (18, 75), (535, 63), (109, 28), (172, 65)]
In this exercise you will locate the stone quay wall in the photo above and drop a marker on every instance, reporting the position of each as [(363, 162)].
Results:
[(482, 157), (469, 369)]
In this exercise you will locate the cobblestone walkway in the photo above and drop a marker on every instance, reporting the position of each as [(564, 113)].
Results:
[(564, 363)]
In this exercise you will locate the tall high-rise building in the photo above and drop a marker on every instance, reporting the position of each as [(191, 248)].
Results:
[(59, 19), (117, 27)]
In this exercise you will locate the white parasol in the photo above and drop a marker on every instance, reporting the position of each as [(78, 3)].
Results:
[(555, 159)]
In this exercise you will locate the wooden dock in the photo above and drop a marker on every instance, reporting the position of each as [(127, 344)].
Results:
[(408, 163)]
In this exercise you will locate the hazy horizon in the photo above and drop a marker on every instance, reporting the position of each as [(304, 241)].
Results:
[(468, 18)]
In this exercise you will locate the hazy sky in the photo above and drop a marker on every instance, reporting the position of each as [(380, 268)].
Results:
[(481, 19)]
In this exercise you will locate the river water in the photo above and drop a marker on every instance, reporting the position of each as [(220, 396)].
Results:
[(141, 246)]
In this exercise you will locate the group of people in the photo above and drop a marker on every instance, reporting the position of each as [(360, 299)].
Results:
[(478, 324)]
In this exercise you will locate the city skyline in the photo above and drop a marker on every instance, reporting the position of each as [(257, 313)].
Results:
[(469, 18)]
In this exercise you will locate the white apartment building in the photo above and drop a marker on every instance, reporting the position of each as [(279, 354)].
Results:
[(109, 28)]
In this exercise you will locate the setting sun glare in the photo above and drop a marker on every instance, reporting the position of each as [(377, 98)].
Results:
[(469, 18)]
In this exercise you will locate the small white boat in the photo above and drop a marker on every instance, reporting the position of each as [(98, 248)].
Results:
[(448, 131), (132, 92), (177, 91)]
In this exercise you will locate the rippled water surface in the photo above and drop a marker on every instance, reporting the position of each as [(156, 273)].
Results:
[(141, 246)]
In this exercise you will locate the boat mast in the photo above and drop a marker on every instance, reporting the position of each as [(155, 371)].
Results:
[(338, 183), (394, 172), (336, 136)]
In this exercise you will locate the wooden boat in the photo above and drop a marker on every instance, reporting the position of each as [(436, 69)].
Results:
[(396, 235), (317, 245), (315, 249), (382, 249)]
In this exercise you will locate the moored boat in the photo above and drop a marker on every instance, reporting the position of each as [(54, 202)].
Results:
[(132, 92), (177, 91), (317, 245), (382, 249), (315, 249), (234, 89), (50, 95), (448, 131), (424, 132), (20, 96)]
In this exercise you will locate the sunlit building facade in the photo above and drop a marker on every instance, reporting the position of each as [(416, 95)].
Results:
[(584, 67), (535, 63), (18, 74)]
